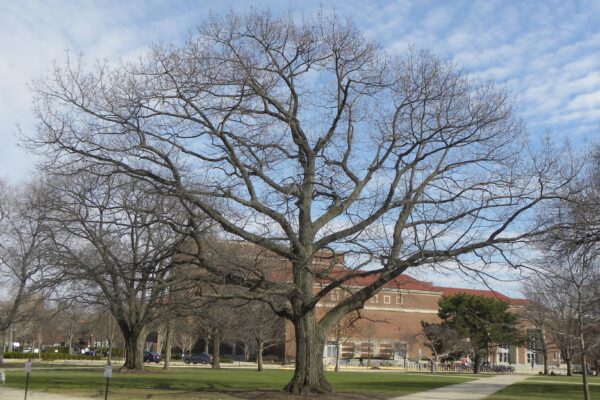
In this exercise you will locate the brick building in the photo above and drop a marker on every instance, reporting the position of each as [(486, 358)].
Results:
[(390, 325)]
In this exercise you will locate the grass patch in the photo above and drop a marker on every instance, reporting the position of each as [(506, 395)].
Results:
[(548, 387), (205, 383), (573, 379)]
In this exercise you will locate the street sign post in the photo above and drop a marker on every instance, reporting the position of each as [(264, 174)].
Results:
[(27, 370), (107, 376)]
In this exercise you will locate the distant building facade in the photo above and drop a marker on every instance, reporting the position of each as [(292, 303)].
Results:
[(390, 327)]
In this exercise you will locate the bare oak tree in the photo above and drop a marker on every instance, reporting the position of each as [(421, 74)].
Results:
[(345, 330), (186, 335), (114, 247), (218, 321), (259, 326), (537, 312), (571, 265), (23, 245), (571, 290), (307, 137), (442, 340)]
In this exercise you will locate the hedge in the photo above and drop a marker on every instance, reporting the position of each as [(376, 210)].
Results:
[(50, 356)]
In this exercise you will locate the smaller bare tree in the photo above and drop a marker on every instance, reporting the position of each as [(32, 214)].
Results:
[(114, 244), (219, 322), (346, 329), (185, 336), (442, 340), (570, 292), (260, 326), (538, 313), (23, 245), (167, 343)]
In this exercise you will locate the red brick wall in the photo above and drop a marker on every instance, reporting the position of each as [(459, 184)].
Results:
[(391, 316)]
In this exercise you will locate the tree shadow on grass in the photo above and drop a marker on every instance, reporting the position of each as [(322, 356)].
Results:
[(400, 386), (543, 391), (220, 393)]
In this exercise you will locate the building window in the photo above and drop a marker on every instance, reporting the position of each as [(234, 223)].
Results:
[(333, 296), (532, 343), (399, 299), (374, 299), (530, 357), (331, 350), (503, 354), (386, 299), (401, 351), (533, 339)]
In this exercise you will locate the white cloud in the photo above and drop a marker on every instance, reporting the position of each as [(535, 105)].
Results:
[(587, 101), (548, 52), (36, 33)]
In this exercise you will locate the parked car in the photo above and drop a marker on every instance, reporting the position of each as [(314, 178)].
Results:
[(202, 358), (28, 350), (151, 356)]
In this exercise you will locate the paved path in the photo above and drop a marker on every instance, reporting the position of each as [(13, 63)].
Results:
[(15, 394), (473, 390)]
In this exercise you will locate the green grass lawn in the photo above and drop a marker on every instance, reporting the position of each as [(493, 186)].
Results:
[(205, 383), (548, 387), (573, 379)]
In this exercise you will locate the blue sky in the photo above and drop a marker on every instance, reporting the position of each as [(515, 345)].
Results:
[(547, 52)]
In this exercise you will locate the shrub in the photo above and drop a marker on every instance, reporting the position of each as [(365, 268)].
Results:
[(50, 356), (59, 356), (18, 354), (53, 350)]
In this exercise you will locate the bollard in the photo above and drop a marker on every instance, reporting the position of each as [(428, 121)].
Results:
[(2, 377)]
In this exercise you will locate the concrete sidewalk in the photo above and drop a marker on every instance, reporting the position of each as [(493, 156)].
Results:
[(473, 390), (15, 394)]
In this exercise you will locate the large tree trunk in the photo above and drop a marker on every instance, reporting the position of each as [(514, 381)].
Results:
[(259, 355), (168, 340), (582, 348), (476, 359), (569, 366), (110, 350), (11, 339), (2, 344), (337, 356), (216, 347), (134, 346), (246, 352), (309, 376), (544, 350), (584, 377), (70, 344)]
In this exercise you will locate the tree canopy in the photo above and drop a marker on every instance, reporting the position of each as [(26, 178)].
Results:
[(305, 137)]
